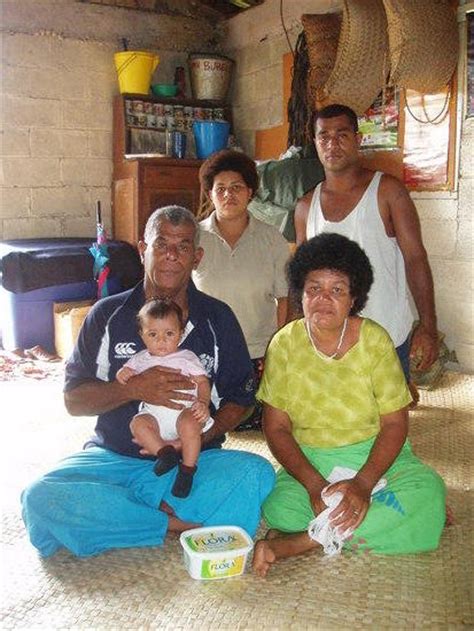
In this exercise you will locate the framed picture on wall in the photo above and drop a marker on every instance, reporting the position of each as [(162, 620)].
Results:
[(379, 124)]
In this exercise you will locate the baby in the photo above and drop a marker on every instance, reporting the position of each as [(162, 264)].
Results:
[(155, 427)]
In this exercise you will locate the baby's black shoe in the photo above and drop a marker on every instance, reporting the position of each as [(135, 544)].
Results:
[(167, 459), (184, 481)]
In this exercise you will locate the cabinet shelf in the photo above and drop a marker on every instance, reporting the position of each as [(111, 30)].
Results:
[(174, 100), (143, 182)]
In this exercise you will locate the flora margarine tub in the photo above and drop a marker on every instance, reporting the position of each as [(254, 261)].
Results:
[(215, 551)]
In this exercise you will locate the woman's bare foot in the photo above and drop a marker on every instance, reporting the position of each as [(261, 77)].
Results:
[(280, 545), (263, 558)]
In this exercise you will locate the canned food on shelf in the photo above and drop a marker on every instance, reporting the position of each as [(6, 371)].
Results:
[(151, 121), (158, 109), (178, 111)]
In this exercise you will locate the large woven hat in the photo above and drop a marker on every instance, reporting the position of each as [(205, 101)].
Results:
[(322, 36), (423, 43), (361, 66)]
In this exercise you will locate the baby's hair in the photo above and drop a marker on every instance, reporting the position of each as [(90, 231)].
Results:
[(159, 309)]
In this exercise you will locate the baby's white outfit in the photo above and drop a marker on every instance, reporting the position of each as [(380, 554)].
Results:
[(185, 361), (320, 529)]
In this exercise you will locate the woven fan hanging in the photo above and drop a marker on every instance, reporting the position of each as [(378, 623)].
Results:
[(361, 65), (423, 43), (322, 36)]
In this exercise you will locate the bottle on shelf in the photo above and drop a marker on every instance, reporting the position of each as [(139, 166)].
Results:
[(180, 81)]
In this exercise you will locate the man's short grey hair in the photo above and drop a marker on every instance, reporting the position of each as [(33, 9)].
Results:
[(176, 215)]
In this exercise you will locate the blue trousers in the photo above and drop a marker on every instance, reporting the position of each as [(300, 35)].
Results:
[(403, 352), (97, 500)]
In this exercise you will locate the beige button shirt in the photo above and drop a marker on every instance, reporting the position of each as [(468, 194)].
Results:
[(249, 278)]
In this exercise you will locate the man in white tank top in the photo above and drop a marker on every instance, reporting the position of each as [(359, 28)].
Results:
[(376, 211)]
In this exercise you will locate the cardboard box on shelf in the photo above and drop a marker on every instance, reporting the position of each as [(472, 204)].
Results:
[(68, 319)]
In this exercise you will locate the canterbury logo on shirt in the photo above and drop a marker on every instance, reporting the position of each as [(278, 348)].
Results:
[(124, 349)]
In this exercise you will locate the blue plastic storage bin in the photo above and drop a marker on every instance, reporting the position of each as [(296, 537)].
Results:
[(27, 319), (36, 273)]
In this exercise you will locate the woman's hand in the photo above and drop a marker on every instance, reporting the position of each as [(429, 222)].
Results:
[(352, 509), (316, 500)]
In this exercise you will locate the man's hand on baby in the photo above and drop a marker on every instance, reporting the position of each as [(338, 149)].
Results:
[(200, 411), (161, 386)]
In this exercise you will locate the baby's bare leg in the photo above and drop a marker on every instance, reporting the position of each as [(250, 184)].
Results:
[(146, 432), (189, 430)]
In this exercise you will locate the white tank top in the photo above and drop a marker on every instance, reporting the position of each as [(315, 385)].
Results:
[(388, 298)]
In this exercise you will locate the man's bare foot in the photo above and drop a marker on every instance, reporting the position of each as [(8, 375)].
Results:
[(166, 508), (263, 558), (178, 526), (449, 517)]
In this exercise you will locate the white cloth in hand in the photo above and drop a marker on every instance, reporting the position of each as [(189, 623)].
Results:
[(320, 529)]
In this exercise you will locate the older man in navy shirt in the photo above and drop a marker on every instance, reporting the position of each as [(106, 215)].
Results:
[(107, 496)]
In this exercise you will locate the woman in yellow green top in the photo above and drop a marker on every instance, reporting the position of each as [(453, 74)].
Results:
[(334, 395)]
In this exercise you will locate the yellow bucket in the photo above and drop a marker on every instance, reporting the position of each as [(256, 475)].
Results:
[(134, 70)]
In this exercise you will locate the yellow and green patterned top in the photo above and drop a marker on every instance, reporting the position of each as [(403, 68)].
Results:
[(333, 402)]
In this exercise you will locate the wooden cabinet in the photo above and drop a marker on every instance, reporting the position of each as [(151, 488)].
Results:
[(144, 182)]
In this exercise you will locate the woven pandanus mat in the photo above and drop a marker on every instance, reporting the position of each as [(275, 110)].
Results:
[(423, 43), (322, 36), (149, 588), (359, 71)]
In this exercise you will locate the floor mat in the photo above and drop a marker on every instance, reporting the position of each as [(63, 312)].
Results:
[(149, 588), (14, 367)]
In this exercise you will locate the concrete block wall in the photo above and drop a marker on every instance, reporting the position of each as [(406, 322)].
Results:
[(57, 88), (56, 135), (256, 40)]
